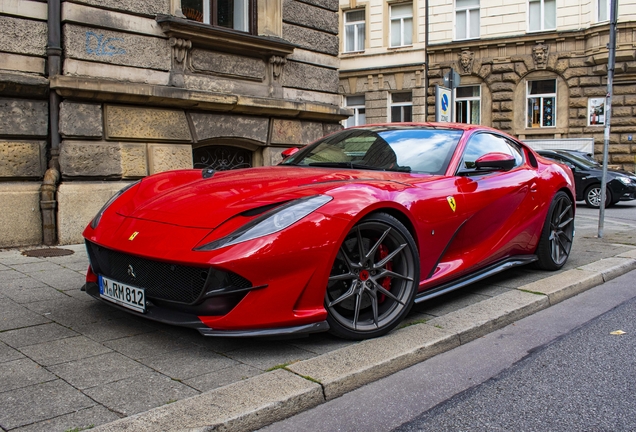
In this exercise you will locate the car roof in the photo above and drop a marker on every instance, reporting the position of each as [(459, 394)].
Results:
[(437, 125)]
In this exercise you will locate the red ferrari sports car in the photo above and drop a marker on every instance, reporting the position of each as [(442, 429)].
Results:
[(344, 235)]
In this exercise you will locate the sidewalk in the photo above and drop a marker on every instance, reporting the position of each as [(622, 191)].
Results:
[(68, 361)]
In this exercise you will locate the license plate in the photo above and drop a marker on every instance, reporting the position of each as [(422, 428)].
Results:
[(124, 295)]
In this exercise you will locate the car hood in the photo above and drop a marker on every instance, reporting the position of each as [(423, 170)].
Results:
[(184, 198)]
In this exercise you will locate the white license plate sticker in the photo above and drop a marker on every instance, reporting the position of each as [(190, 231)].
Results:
[(124, 295)]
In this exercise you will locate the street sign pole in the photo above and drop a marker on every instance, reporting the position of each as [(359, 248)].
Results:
[(451, 81), (611, 62)]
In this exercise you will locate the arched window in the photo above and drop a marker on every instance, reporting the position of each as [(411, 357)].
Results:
[(221, 157)]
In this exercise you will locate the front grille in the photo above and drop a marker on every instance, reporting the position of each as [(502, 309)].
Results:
[(163, 281)]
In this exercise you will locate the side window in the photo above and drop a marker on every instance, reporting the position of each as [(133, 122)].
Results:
[(485, 143)]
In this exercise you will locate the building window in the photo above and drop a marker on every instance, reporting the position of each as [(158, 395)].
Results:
[(359, 114), (354, 30), (541, 98), (401, 107), (466, 19), (468, 104), (232, 14), (541, 15), (603, 10), (401, 24)]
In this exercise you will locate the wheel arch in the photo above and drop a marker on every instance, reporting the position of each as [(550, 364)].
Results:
[(403, 218)]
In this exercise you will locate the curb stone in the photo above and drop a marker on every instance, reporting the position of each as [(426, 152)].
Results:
[(264, 399)]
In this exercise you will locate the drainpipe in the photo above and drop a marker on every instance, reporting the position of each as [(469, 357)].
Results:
[(48, 190)]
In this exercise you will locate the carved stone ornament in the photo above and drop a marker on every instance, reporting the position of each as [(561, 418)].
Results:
[(540, 56), (180, 51), (466, 59), (277, 63)]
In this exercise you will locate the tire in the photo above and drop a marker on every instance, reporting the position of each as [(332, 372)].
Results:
[(593, 196), (373, 280), (555, 243)]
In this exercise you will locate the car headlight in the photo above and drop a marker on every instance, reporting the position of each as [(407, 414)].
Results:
[(624, 180), (112, 199), (273, 221)]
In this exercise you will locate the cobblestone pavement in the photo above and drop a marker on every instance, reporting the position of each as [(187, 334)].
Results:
[(68, 361)]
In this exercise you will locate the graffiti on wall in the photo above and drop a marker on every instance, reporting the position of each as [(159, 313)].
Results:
[(100, 45)]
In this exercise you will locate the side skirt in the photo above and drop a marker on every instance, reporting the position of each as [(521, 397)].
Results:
[(475, 277)]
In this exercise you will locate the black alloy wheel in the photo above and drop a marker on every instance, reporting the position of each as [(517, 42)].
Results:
[(374, 279), (558, 233)]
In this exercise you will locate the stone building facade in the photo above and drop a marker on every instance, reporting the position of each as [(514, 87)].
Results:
[(533, 75), (132, 88)]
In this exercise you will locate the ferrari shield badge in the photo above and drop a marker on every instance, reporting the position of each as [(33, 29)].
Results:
[(452, 203), (132, 237)]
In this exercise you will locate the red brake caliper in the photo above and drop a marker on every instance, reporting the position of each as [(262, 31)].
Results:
[(383, 251)]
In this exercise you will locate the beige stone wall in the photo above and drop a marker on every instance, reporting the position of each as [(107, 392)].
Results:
[(20, 218), (78, 203)]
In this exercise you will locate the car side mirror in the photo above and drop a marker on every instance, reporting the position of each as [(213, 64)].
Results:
[(288, 152), (495, 161)]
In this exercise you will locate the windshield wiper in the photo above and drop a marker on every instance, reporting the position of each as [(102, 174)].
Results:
[(344, 165)]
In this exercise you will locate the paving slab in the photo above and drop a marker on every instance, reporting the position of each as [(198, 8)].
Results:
[(15, 316), (64, 350), (147, 345), (22, 373), (222, 377), (269, 354), (33, 268), (80, 420), (99, 370), (39, 402), (242, 406), (8, 354), (188, 363), (140, 393), (21, 295)]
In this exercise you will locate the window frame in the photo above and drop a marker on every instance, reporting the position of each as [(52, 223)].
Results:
[(356, 111), (210, 16), (468, 100), (401, 19), (543, 26), (599, 8), (467, 10), (401, 105), (355, 24), (542, 96)]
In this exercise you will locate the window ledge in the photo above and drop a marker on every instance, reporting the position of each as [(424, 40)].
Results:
[(226, 40)]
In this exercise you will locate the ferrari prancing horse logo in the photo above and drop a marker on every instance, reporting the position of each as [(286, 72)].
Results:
[(452, 203), (132, 237)]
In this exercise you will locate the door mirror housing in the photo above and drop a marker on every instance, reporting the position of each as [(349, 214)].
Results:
[(495, 162), (288, 152)]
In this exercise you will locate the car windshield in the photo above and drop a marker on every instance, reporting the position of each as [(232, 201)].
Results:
[(404, 149), (580, 160)]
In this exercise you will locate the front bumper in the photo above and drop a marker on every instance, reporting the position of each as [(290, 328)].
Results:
[(174, 317)]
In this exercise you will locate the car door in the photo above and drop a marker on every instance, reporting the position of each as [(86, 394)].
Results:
[(501, 209)]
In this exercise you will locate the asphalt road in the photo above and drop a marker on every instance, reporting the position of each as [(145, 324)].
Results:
[(559, 369), (583, 381)]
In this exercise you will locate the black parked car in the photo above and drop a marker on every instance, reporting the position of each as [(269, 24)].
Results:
[(621, 185)]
